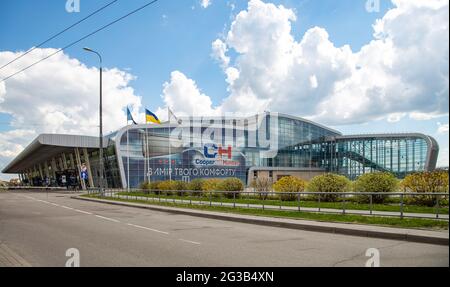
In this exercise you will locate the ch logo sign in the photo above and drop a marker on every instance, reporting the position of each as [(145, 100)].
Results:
[(73, 6), (212, 151)]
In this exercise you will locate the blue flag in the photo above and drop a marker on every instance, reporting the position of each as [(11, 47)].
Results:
[(130, 117)]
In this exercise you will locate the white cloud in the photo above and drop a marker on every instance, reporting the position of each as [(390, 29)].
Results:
[(402, 72), (219, 49), (205, 3), (442, 128), (182, 95), (231, 5), (13, 142), (405, 68), (395, 117), (423, 116), (443, 158), (60, 95)]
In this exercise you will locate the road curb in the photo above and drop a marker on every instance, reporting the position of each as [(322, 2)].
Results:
[(407, 234)]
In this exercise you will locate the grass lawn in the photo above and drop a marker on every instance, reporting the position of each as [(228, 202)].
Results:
[(303, 203), (360, 219)]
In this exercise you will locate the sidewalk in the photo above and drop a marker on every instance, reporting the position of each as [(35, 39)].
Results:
[(410, 235)]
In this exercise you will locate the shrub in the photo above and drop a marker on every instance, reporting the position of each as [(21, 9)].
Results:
[(197, 186), (211, 184), (263, 186), (329, 183), (154, 187), (378, 182), (231, 184), (144, 186), (167, 187), (426, 182), (289, 184), (181, 186)]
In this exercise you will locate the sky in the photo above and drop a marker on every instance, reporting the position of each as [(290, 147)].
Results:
[(359, 66)]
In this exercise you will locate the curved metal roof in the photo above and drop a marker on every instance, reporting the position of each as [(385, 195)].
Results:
[(48, 145)]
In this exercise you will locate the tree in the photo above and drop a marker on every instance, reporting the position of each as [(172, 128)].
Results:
[(329, 183), (167, 187), (180, 186), (380, 183), (232, 184), (211, 184), (196, 185), (287, 185), (145, 186), (263, 186), (426, 182)]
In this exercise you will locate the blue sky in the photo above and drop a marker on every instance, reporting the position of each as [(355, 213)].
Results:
[(177, 35), (167, 36)]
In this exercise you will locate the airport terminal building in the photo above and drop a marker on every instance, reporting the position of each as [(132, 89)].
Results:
[(267, 145)]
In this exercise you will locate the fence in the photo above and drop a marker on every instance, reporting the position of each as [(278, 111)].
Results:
[(399, 204)]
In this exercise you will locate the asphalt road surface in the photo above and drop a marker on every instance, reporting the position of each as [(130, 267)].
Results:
[(36, 229)]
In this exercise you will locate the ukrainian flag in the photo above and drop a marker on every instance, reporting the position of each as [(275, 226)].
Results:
[(151, 117)]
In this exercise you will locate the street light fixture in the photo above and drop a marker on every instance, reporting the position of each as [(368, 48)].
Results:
[(101, 121)]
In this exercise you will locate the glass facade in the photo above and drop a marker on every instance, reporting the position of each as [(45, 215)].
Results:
[(398, 155), (222, 147)]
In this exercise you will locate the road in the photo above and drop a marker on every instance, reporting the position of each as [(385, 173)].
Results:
[(36, 229)]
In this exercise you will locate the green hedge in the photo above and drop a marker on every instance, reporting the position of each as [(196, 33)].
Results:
[(426, 182), (206, 185), (289, 184), (329, 183), (231, 184), (380, 183)]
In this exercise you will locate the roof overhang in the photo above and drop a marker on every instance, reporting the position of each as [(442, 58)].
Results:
[(46, 146)]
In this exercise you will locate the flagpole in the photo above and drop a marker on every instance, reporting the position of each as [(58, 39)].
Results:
[(144, 143), (128, 159), (144, 155), (170, 152), (147, 158)]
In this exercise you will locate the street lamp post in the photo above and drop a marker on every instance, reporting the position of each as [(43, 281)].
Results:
[(101, 121)]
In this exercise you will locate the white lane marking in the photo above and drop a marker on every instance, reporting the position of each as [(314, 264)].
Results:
[(66, 207), (146, 228), (107, 218), (81, 211), (54, 204), (189, 241)]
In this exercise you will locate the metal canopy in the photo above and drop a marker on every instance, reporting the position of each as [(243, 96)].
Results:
[(46, 146)]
